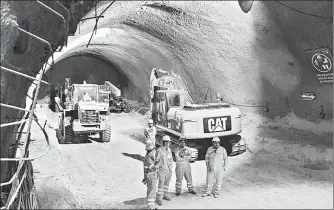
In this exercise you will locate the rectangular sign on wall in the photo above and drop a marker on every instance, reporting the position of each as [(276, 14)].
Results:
[(322, 63)]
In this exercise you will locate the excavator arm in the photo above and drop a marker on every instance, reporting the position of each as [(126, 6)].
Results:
[(161, 79), (113, 89)]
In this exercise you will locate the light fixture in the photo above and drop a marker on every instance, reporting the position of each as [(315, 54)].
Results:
[(245, 5), (267, 107)]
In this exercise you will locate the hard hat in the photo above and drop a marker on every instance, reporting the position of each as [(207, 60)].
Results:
[(215, 139), (182, 138), (149, 146), (150, 121), (166, 138)]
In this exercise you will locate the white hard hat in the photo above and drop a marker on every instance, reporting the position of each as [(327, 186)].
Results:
[(215, 139), (182, 138), (166, 138), (150, 121)]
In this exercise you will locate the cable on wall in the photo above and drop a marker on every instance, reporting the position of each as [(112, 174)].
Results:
[(305, 13)]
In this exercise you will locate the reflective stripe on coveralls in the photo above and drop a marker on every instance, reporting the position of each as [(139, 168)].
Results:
[(165, 161), (183, 169), (151, 190), (214, 179), (217, 160), (150, 175)]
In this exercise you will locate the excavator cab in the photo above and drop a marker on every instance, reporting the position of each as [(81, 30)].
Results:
[(163, 101)]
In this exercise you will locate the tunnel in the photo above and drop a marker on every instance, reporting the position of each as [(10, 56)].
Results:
[(89, 68), (173, 36), (255, 60)]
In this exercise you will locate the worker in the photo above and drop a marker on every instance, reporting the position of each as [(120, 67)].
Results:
[(86, 97), (183, 169), (219, 99), (165, 161), (216, 162), (150, 133), (150, 175)]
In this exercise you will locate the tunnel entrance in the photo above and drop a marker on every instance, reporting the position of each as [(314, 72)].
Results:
[(84, 68)]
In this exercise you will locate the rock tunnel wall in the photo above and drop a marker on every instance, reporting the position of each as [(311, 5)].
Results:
[(249, 58)]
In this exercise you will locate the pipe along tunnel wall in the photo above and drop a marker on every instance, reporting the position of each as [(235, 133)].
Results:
[(249, 58)]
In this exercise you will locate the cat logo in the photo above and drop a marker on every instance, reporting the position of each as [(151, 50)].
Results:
[(217, 124)]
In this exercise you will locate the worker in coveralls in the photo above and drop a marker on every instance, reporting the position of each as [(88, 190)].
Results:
[(219, 99), (183, 169), (87, 97), (150, 133), (216, 162), (165, 161), (150, 175)]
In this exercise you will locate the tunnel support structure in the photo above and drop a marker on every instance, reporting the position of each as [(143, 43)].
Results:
[(22, 180)]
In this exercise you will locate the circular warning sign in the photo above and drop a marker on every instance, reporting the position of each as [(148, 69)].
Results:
[(321, 63)]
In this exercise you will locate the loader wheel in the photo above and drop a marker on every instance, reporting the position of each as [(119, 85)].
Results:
[(105, 136), (69, 134)]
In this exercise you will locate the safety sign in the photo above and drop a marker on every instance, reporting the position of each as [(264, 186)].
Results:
[(322, 63)]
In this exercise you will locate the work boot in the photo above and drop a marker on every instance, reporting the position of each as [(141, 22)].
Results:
[(177, 194), (167, 198), (192, 192), (159, 203), (205, 195), (215, 195)]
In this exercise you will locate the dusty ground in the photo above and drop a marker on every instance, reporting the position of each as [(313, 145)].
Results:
[(108, 175)]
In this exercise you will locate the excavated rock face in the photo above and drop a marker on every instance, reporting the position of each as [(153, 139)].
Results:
[(27, 54)]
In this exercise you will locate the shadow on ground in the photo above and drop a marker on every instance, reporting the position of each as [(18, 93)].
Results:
[(137, 201), (134, 156), (85, 140), (138, 137)]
